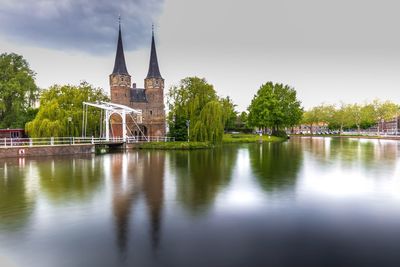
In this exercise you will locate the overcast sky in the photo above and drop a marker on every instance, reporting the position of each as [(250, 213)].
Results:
[(329, 51)]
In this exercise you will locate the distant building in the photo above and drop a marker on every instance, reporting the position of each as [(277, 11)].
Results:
[(149, 99), (320, 127), (12, 133)]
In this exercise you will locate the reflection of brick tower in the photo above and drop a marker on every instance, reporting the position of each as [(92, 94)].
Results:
[(149, 99), (133, 175)]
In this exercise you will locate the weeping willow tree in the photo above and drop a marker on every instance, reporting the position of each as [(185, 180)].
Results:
[(195, 104), (60, 111), (210, 124)]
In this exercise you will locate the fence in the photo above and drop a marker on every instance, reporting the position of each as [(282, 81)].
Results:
[(50, 141)]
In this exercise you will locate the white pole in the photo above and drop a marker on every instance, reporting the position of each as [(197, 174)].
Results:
[(107, 126), (83, 117), (124, 126)]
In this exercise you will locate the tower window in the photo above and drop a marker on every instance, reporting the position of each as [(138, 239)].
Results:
[(151, 112), (156, 82)]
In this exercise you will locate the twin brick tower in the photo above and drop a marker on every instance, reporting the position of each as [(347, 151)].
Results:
[(149, 99)]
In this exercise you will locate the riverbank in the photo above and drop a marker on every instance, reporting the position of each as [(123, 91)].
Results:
[(249, 138), (45, 150), (227, 139), (380, 137)]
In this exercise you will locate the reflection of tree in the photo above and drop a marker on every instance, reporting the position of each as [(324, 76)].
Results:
[(68, 179), (15, 204), (201, 174), (276, 164), (372, 155), (133, 174)]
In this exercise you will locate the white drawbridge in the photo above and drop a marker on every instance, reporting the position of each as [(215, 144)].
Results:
[(109, 109)]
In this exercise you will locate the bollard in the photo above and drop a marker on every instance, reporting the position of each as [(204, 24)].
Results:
[(52, 141)]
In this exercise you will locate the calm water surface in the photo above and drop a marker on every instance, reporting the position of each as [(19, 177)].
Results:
[(306, 202)]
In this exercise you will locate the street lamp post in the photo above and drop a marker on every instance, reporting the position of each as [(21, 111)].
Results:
[(68, 126), (188, 129)]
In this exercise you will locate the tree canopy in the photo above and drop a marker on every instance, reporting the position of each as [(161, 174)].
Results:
[(275, 106), (60, 112), (195, 104), (348, 116), (18, 91)]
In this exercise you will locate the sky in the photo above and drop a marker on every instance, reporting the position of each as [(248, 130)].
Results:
[(329, 51)]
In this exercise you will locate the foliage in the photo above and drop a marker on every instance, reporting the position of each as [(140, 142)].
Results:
[(275, 106), (249, 138), (178, 128), (384, 111), (60, 102), (342, 117), (229, 113), (351, 115), (196, 101), (210, 125), (18, 91), (319, 114), (175, 145)]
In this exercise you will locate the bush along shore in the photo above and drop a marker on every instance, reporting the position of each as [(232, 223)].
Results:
[(227, 139)]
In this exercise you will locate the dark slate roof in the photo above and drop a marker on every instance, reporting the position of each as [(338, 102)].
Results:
[(138, 95), (119, 65), (154, 71)]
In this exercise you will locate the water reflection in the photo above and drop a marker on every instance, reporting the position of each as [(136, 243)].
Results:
[(66, 180), (201, 174), (16, 204), (233, 204), (134, 174), (372, 158), (276, 166)]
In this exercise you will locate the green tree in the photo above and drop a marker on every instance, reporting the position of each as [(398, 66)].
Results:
[(210, 125), (361, 116), (384, 111), (342, 117), (241, 122), (18, 91), (229, 113), (61, 102), (275, 106), (189, 102)]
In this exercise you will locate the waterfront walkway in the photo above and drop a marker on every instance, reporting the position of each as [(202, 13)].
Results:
[(52, 141)]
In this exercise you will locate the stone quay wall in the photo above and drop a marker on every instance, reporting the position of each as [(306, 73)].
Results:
[(51, 150)]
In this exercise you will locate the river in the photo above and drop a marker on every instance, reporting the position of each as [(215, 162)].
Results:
[(305, 202)]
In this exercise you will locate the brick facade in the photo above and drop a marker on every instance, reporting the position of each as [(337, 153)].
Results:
[(149, 99)]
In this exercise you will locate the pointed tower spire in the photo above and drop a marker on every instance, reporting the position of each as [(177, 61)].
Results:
[(154, 71), (119, 65)]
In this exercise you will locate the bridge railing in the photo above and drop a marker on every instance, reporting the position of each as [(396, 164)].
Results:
[(49, 141)]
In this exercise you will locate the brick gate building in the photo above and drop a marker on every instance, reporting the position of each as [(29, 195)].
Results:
[(149, 99)]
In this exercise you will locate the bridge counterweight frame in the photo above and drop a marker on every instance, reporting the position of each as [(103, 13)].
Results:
[(111, 109)]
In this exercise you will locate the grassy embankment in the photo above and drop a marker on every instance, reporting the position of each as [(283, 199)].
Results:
[(387, 137), (227, 139)]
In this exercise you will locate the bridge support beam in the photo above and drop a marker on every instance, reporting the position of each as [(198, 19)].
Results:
[(107, 118), (123, 115)]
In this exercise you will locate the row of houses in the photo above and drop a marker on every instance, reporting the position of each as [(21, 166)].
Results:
[(385, 127)]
